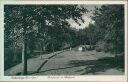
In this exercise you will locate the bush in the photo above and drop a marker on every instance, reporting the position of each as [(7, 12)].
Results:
[(109, 47), (104, 46), (89, 47), (100, 46), (11, 57), (119, 58)]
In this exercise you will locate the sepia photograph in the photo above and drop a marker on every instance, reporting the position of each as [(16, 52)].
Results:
[(65, 39)]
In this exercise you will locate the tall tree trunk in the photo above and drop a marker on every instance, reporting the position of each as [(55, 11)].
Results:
[(53, 49), (90, 41), (14, 53), (44, 49), (24, 58), (70, 46)]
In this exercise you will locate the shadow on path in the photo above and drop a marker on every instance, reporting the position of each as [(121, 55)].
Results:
[(99, 65), (54, 69)]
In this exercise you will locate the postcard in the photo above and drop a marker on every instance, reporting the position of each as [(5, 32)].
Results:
[(63, 41)]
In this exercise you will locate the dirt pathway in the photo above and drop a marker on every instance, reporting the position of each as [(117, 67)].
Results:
[(70, 63)]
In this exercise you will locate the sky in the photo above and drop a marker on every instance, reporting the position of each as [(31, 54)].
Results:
[(86, 17)]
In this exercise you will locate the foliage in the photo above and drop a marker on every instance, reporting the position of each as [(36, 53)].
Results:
[(110, 22), (107, 33), (45, 25)]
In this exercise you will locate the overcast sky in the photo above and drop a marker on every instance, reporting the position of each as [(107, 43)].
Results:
[(86, 17)]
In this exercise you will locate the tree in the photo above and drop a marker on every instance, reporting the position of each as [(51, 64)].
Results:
[(34, 22), (110, 25)]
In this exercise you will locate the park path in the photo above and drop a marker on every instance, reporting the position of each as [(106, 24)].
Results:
[(68, 63)]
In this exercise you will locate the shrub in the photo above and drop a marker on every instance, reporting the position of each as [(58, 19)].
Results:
[(104, 46), (100, 46), (119, 60), (109, 47)]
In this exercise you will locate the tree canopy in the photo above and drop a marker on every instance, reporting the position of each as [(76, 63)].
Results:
[(47, 25)]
